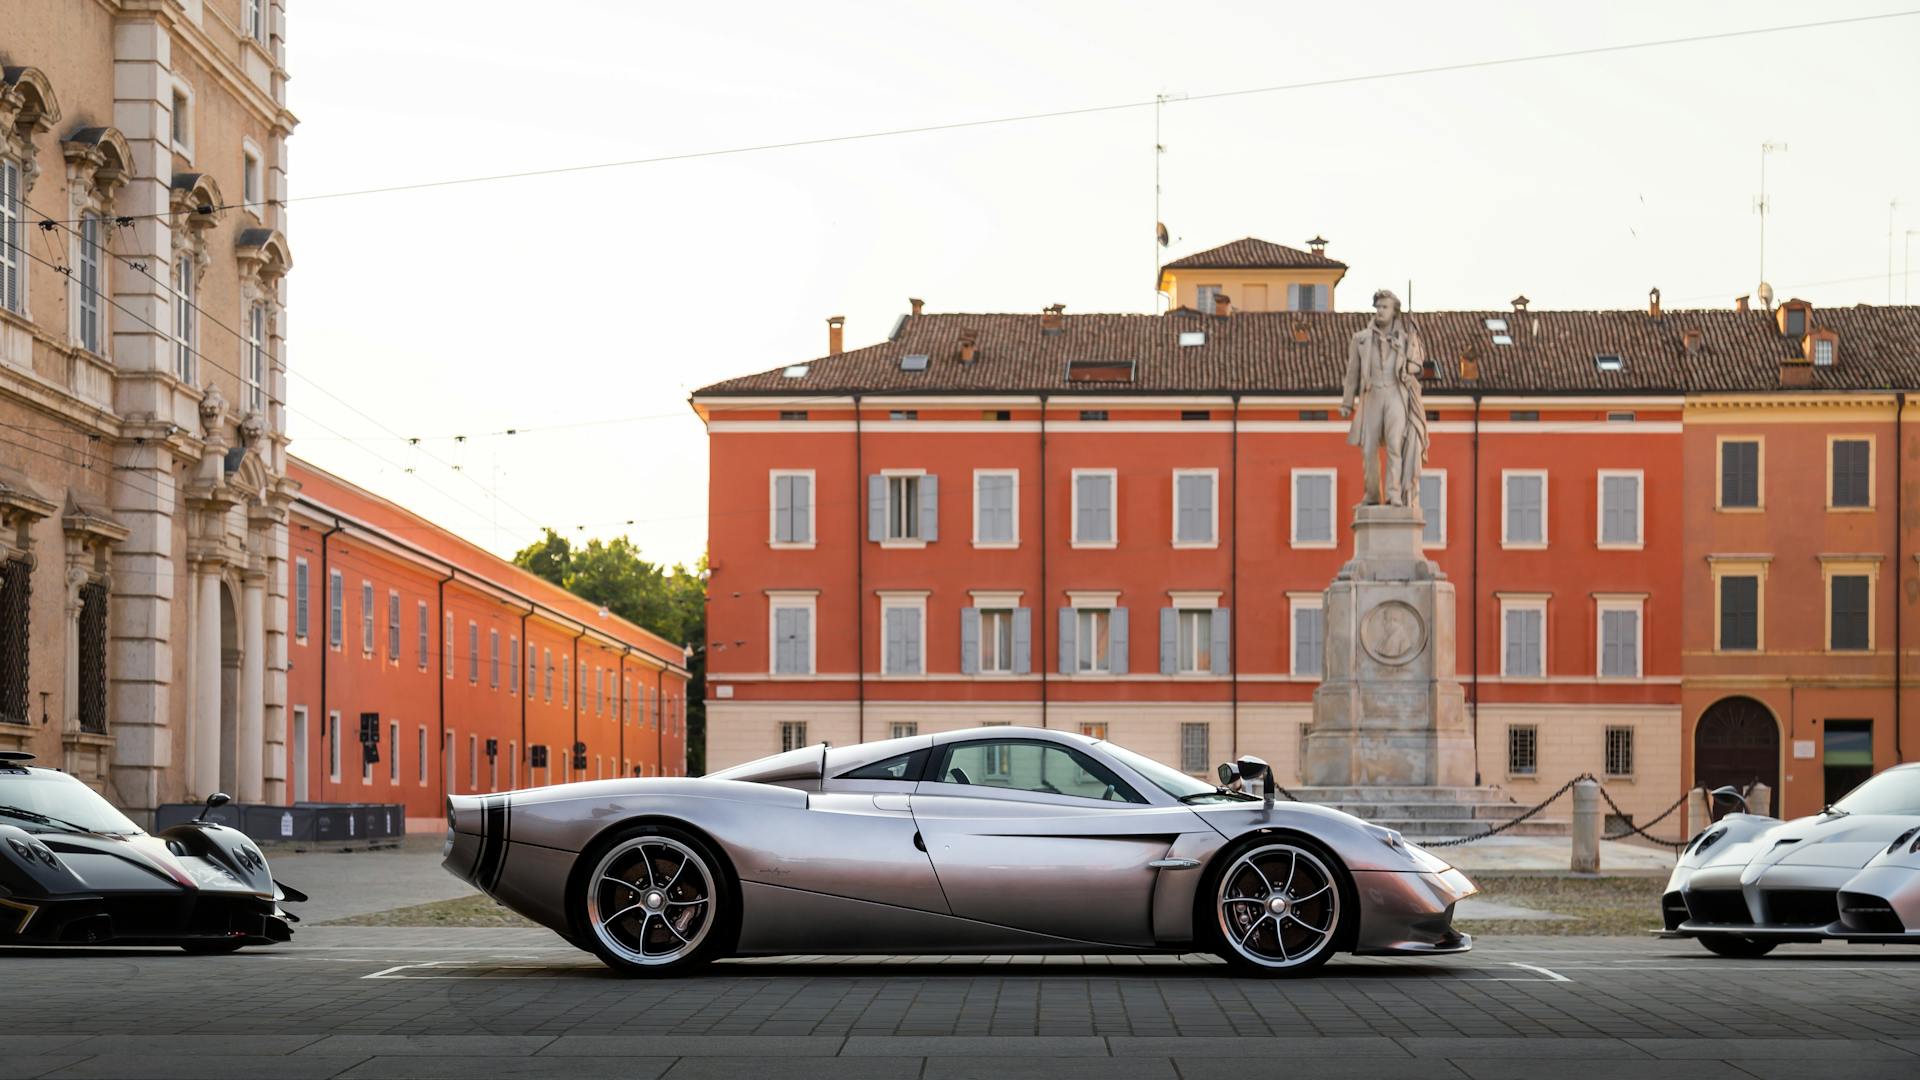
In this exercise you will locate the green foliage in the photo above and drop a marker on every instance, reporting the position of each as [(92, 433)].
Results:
[(670, 602)]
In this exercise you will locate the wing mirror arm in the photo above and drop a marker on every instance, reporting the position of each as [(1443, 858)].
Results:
[(1254, 773), (1729, 794), (214, 801)]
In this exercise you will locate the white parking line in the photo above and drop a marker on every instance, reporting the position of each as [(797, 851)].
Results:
[(1552, 976)]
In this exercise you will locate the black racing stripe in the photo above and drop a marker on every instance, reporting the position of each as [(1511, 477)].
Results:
[(493, 841)]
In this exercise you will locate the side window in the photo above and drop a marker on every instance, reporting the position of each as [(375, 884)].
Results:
[(903, 767), (1024, 765)]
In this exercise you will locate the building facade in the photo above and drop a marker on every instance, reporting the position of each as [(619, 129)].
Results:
[(424, 666), (1124, 524), (143, 257)]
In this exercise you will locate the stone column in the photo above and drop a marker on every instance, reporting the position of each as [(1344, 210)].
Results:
[(203, 727), (249, 720)]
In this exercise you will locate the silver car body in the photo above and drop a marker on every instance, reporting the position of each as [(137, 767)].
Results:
[(1851, 876), (828, 864)]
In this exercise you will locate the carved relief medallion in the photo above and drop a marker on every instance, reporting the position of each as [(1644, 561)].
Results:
[(1393, 633)]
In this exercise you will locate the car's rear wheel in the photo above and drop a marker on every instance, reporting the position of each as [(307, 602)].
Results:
[(656, 902), (1278, 908), (1737, 946)]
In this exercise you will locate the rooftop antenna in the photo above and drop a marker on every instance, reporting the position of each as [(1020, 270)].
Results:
[(1160, 238), (1760, 204), (1892, 205)]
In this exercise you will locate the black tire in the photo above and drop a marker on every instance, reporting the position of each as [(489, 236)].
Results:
[(1737, 946), (684, 923), (1332, 922), (212, 948)]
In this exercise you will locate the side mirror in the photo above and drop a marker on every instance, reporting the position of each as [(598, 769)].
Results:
[(1255, 777), (217, 799), (1228, 774), (1728, 796)]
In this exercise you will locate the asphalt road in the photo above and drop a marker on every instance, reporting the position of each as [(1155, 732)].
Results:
[(390, 1002)]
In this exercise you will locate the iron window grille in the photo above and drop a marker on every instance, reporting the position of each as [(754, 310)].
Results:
[(16, 589), (93, 658), (793, 735), (1523, 750), (1193, 747), (1619, 751)]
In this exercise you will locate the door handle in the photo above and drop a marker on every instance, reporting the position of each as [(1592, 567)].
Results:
[(1173, 864), (919, 842)]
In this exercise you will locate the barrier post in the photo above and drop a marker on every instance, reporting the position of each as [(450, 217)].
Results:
[(1760, 799), (1586, 827), (1699, 815)]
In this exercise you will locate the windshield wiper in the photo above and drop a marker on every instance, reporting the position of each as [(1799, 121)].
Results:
[(44, 819), (1218, 793)]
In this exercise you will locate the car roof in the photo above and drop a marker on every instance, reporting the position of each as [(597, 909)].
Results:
[(1008, 731)]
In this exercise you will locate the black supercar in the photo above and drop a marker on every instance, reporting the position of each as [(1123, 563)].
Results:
[(75, 871)]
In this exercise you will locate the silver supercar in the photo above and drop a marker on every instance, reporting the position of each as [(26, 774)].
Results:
[(1849, 873), (991, 840)]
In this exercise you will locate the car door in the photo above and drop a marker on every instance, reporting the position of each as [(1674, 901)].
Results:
[(1041, 837)]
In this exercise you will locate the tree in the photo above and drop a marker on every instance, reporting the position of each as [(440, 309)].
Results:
[(670, 602)]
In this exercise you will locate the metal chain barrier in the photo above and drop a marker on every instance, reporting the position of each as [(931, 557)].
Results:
[(1641, 830), (1511, 822)]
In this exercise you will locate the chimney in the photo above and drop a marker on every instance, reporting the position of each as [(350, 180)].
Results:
[(1222, 304), (916, 303), (1692, 341), (1470, 365), (1653, 303), (836, 334), (1300, 332), (1520, 304), (969, 345), (1740, 304), (1795, 371), (1053, 319), (1318, 244)]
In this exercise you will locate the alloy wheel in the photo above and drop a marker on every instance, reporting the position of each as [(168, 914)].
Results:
[(651, 900), (1279, 906)]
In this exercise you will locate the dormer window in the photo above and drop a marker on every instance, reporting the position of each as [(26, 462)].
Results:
[(1796, 316), (1822, 347)]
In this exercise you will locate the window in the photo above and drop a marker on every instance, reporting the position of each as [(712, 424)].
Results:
[(180, 123), (1033, 766), (1524, 522), (1195, 755), (533, 670), (907, 414), (1313, 507), (1433, 508), (420, 752), (473, 652), (1619, 750), (995, 640), (420, 635), (1739, 612), (902, 729), (89, 284), (1623, 416), (1524, 415), (393, 626), (793, 734), (300, 575), (1850, 473), (1523, 749), (1313, 414), (336, 588), (904, 624), (256, 24), (12, 257), (1620, 509), (900, 767), (254, 373), (1195, 511), (1309, 636), (1094, 729), (333, 747), (903, 508), (473, 762), (1523, 635), (1740, 474), (366, 617), (1848, 613), (1203, 297), (493, 659), (793, 508), (1620, 648), (1796, 321), (393, 751), (1193, 641), (91, 642), (1196, 414), (903, 502), (1823, 352), (252, 186), (1093, 639), (1308, 298), (183, 317), (1093, 499), (446, 644), (996, 510), (793, 414), (1093, 415), (513, 665), (599, 690), (548, 660), (996, 415)]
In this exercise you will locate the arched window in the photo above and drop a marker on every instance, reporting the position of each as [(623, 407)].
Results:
[(98, 165)]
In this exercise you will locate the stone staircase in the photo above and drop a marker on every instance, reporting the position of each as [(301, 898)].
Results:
[(1439, 812)]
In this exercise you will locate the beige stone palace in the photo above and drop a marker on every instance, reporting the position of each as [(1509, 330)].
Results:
[(142, 426)]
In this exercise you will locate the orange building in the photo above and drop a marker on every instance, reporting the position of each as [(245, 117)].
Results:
[(1800, 587), (421, 665), (1125, 523)]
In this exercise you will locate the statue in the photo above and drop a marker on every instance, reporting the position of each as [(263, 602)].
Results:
[(1381, 393)]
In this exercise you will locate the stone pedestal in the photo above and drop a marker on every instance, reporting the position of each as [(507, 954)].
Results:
[(1389, 710)]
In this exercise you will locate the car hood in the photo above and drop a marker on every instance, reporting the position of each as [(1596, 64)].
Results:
[(1848, 841), (108, 863)]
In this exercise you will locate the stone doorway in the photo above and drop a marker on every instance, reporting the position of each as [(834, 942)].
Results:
[(1737, 742)]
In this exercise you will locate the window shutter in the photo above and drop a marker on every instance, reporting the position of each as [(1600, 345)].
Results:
[(929, 508), (876, 508), (1069, 655), (896, 640), (910, 633), (1516, 647), (782, 640), (1117, 641), (969, 641), (1433, 508), (1222, 640), (800, 502), (782, 509), (802, 643), (1169, 641), (1022, 641), (300, 573), (1293, 297), (1322, 301)]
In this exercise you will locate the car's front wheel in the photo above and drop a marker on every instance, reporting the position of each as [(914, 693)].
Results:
[(654, 904), (1278, 906), (1737, 946)]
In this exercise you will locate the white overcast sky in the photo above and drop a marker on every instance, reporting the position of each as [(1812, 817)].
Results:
[(608, 295)]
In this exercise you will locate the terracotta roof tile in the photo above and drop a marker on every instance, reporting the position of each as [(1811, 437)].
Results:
[(1252, 253), (1262, 352)]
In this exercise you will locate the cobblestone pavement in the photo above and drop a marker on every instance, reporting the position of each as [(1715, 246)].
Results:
[(389, 1002)]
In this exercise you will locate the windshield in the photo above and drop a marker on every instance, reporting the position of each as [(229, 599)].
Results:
[(1896, 791), (66, 803), (1165, 777)]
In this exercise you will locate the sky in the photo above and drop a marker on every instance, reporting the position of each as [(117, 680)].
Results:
[(582, 308)]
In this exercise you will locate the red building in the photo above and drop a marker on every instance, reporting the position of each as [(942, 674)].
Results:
[(1125, 523), (421, 665)]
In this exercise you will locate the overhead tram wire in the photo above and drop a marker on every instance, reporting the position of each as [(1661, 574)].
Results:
[(1089, 110)]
